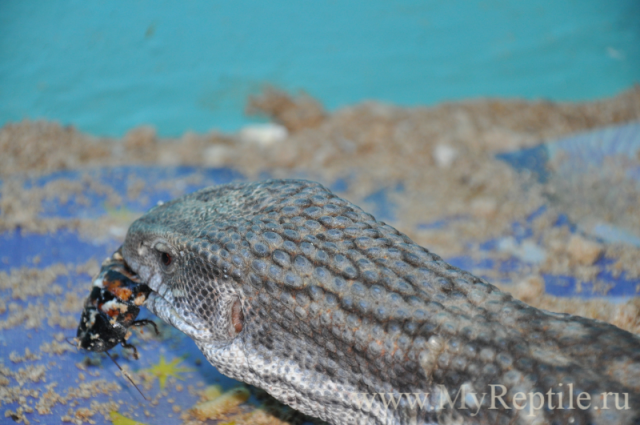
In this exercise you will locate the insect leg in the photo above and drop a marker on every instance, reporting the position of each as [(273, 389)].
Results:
[(144, 322), (75, 343), (132, 347)]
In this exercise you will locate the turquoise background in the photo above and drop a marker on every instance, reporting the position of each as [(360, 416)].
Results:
[(109, 66)]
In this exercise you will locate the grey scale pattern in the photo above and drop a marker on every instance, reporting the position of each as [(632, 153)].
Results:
[(336, 304)]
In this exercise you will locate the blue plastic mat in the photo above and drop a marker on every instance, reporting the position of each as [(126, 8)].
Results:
[(177, 355), (587, 153)]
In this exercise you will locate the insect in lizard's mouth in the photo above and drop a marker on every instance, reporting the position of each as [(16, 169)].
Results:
[(112, 307)]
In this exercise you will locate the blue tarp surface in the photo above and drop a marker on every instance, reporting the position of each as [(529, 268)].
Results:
[(18, 249)]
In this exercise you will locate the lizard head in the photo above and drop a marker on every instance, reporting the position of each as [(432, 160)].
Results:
[(192, 253), (170, 249)]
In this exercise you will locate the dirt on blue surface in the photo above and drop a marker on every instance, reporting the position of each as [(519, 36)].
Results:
[(502, 189)]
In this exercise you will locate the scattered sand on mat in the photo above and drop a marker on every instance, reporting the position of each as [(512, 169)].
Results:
[(32, 284), (442, 157)]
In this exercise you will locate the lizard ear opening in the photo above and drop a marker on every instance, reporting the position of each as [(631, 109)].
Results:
[(237, 318)]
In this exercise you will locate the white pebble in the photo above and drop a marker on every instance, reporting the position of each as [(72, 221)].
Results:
[(263, 134), (216, 155), (444, 155)]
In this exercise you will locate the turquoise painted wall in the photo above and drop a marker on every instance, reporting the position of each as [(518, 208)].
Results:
[(189, 65)]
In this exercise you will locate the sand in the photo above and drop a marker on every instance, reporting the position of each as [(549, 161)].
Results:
[(443, 157)]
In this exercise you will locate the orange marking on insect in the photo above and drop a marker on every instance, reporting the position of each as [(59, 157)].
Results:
[(122, 293), (112, 284), (140, 299)]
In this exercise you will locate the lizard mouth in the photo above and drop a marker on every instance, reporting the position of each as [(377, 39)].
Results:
[(161, 303), (162, 300)]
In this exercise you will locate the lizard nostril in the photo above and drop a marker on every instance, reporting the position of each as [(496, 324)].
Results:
[(237, 318)]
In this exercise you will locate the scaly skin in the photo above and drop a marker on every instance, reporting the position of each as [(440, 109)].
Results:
[(285, 286)]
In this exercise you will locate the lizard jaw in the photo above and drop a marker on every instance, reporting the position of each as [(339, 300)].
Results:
[(160, 300), (162, 308), (166, 303)]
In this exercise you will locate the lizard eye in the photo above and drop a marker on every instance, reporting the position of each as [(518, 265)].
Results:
[(164, 254)]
